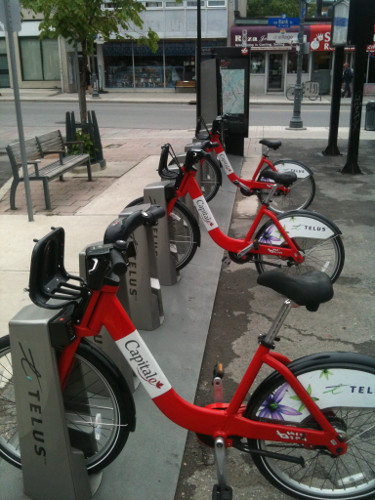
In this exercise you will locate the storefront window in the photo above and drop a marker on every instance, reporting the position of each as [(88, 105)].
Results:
[(4, 71), (292, 62), (148, 67), (39, 59), (322, 60), (179, 62), (172, 62), (257, 63)]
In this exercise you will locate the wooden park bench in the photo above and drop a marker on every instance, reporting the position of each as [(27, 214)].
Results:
[(38, 148), (185, 86)]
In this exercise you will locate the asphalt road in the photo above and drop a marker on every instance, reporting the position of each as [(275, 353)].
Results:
[(159, 116)]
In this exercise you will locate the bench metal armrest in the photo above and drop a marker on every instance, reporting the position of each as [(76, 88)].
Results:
[(68, 143)]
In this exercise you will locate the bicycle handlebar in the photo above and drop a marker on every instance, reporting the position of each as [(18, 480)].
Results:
[(122, 228)]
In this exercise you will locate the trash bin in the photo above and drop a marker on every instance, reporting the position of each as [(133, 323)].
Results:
[(370, 116)]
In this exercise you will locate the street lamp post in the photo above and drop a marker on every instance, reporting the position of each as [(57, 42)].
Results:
[(296, 120), (94, 78)]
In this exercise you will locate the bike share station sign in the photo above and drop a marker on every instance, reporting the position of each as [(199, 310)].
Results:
[(233, 87)]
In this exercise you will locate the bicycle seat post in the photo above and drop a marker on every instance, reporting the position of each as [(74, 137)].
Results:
[(270, 194), (274, 329)]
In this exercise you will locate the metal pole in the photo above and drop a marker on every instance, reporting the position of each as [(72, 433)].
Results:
[(17, 103), (332, 148), (198, 69), (296, 120), (94, 78), (351, 166)]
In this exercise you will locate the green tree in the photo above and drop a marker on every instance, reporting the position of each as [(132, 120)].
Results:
[(81, 21), (266, 8)]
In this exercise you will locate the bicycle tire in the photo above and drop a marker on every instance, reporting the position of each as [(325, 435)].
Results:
[(184, 232), (347, 477), (301, 193), (290, 94), (320, 254), (210, 178), (107, 386)]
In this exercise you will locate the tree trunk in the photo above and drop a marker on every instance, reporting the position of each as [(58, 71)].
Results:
[(83, 87)]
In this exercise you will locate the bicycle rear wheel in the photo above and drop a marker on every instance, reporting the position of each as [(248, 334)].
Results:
[(318, 241), (334, 381), (184, 232), (301, 193), (96, 397)]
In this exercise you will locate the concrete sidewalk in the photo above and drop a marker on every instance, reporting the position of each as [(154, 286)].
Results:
[(85, 209), (154, 96)]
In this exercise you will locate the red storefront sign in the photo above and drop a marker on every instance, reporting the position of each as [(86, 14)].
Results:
[(320, 37)]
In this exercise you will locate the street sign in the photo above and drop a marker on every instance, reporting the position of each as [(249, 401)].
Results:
[(283, 21)]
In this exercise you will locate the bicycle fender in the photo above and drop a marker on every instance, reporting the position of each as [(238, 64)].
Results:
[(313, 215), (328, 376), (301, 224), (289, 165)]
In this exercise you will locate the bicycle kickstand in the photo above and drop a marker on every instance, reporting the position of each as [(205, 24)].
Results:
[(221, 490)]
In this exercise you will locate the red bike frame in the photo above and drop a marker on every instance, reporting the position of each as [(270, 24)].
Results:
[(104, 309), (252, 183), (189, 185)]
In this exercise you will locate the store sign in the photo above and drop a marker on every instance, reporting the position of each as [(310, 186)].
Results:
[(283, 21), (263, 37), (320, 38)]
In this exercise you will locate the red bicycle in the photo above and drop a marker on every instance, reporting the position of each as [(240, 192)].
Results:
[(294, 241), (297, 196), (309, 426)]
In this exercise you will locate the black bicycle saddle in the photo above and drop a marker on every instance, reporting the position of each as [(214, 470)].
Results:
[(271, 144), (310, 289)]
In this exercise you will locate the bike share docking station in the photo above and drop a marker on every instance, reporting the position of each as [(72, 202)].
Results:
[(52, 468), (139, 291)]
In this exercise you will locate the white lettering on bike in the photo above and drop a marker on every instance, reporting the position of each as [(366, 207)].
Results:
[(274, 251), (315, 228), (205, 213), (143, 364), (225, 163), (291, 436)]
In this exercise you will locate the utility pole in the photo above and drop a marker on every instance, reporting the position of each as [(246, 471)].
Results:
[(296, 120)]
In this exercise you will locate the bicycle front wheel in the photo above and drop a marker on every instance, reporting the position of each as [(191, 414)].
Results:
[(210, 178), (184, 232), (301, 192), (317, 239), (339, 383), (96, 397)]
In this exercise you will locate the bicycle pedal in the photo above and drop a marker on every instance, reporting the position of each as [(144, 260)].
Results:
[(222, 492), (218, 370)]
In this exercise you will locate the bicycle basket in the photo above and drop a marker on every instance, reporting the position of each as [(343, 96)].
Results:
[(50, 285), (163, 170)]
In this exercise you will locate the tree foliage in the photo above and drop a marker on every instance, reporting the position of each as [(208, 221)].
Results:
[(266, 8), (79, 22)]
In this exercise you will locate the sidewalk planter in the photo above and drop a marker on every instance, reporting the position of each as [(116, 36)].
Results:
[(71, 127)]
